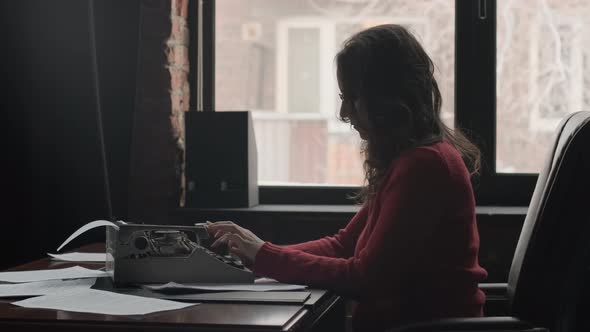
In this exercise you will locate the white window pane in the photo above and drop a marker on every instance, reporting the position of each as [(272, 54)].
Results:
[(276, 58), (543, 74)]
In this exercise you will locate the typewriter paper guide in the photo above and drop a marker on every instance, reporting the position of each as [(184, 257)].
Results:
[(87, 227)]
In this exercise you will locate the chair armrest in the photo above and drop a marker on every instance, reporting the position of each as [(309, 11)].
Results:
[(495, 289), (496, 299), (484, 324)]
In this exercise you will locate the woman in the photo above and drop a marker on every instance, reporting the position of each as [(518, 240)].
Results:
[(411, 252)]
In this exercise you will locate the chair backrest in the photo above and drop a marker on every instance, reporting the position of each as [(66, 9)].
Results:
[(550, 258)]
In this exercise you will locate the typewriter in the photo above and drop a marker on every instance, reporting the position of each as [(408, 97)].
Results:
[(139, 253)]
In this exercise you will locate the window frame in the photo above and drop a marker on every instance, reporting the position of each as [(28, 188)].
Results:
[(475, 89)]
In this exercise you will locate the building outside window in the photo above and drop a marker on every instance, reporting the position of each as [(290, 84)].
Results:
[(543, 74)]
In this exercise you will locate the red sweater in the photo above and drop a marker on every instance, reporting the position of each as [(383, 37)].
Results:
[(410, 255)]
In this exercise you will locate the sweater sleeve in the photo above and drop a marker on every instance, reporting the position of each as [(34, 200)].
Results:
[(410, 204), (340, 245)]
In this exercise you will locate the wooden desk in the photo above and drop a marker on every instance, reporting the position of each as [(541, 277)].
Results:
[(322, 311)]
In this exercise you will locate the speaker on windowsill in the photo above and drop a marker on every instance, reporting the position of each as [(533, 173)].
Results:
[(221, 160)]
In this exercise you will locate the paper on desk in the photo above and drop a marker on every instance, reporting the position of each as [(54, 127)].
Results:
[(44, 287), (101, 302), (263, 287), (80, 257), (73, 272), (264, 280), (88, 226)]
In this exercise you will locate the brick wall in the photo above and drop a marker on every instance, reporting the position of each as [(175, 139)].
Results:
[(160, 101)]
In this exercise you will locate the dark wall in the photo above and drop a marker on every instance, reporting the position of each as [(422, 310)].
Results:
[(117, 35), (52, 164)]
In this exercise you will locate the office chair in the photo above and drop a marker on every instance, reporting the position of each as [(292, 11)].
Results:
[(545, 287)]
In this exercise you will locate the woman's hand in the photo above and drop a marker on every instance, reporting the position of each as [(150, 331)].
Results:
[(240, 241)]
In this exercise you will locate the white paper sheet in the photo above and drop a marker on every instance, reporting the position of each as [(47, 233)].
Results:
[(44, 287), (88, 226), (80, 257), (260, 287), (73, 272), (101, 302)]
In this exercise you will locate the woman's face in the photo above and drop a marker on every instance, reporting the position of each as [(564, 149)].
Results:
[(355, 110)]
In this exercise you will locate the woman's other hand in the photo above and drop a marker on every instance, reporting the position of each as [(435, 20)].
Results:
[(240, 241)]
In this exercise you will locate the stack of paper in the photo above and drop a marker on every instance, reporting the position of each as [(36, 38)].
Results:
[(44, 287), (73, 272), (69, 289), (256, 287), (101, 302)]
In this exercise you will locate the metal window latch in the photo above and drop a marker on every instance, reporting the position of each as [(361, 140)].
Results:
[(482, 9)]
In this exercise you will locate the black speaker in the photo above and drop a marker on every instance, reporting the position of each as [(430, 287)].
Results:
[(221, 160)]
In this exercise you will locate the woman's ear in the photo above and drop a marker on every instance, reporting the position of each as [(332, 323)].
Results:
[(404, 120), (359, 104), (392, 117), (362, 112), (381, 112)]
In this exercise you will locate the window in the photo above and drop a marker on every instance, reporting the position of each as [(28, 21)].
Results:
[(509, 71), (276, 58), (541, 76)]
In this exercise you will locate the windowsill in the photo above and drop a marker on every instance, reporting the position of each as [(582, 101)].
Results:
[(343, 209)]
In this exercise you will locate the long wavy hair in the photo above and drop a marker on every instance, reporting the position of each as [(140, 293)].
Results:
[(387, 68)]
